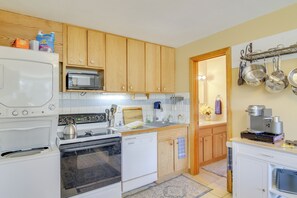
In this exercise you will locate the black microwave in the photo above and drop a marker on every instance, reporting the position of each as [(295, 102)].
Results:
[(85, 81)]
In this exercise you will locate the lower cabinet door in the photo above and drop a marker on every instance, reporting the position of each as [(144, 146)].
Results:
[(251, 178), (207, 148), (165, 158), (218, 145)]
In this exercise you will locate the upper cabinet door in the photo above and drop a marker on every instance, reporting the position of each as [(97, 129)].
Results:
[(115, 63), (153, 68), (136, 66), (77, 46), (168, 69), (96, 49)]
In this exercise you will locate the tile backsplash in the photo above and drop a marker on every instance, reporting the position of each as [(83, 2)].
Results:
[(97, 103)]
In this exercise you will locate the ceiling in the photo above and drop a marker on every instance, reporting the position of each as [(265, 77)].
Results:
[(168, 22)]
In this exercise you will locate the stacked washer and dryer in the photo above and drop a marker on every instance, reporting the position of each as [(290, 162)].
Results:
[(29, 99)]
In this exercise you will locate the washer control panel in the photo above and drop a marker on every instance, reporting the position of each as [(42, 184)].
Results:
[(82, 118)]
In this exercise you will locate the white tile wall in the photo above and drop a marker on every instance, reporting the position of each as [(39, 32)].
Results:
[(97, 103)]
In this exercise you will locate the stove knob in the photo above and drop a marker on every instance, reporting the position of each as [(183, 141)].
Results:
[(88, 118), (51, 107), (15, 113), (25, 112), (97, 118)]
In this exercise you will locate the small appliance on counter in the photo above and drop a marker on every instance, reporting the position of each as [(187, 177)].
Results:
[(262, 125)]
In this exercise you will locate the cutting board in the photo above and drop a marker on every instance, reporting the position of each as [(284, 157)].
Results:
[(132, 114)]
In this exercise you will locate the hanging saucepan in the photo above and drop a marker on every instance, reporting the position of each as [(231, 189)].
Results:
[(254, 74), (292, 77), (277, 81)]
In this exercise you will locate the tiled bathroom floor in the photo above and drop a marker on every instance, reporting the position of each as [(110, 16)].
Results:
[(213, 181)]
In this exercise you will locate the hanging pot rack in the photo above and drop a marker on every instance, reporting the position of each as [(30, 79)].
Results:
[(249, 55)]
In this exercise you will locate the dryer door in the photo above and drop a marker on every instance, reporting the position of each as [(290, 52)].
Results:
[(25, 83)]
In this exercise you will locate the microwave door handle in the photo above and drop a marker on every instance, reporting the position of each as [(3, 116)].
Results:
[(87, 147)]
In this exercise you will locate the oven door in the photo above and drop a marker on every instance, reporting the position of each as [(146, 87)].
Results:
[(87, 166)]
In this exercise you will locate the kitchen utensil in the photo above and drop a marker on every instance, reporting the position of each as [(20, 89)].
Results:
[(107, 114), (254, 74), (292, 78), (240, 80), (69, 131), (277, 81)]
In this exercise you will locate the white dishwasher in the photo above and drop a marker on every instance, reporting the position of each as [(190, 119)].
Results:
[(139, 160)]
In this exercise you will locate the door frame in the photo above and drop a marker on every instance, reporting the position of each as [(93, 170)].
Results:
[(194, 113)]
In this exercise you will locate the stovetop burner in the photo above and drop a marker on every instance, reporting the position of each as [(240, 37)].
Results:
[(90, 127)]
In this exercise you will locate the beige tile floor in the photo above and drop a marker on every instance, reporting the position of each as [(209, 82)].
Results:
[(213, 181)]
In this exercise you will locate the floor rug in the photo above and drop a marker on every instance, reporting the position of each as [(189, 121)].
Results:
[(218, 168), (178, 187)]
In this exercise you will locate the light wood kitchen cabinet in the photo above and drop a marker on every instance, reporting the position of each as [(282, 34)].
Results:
[(212, 143), (136, 65), (169, 161), (76, 46), (85, 47), (116, 61), (153, 67), (205, 146), (167, 69), (165, 157), (96, 49)]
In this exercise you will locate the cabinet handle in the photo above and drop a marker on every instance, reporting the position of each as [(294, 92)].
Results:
[(92, 61), (164, 89), (171, 143), (123, 87), (158, 89), (131, 88)]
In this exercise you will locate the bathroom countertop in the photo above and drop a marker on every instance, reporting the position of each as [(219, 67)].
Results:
[(212, 122)]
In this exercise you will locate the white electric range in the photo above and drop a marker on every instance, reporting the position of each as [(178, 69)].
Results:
[(91, 162)]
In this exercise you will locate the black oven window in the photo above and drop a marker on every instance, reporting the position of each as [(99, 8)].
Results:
[(92, 168)]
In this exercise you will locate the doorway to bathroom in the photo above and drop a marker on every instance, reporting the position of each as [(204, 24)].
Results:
[(210, 122)]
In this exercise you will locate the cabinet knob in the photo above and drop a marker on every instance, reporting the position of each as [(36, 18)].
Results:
[(130, 87), (164, 88), (123, 87), (92, 61), (158, 88), (80, 60)]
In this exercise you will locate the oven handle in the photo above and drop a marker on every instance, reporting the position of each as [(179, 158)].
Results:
[(87, 147)]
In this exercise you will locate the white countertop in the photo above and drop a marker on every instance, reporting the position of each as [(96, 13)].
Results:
[(278, 146)]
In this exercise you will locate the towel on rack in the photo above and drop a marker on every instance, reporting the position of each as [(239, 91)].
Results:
[(181, 147)]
